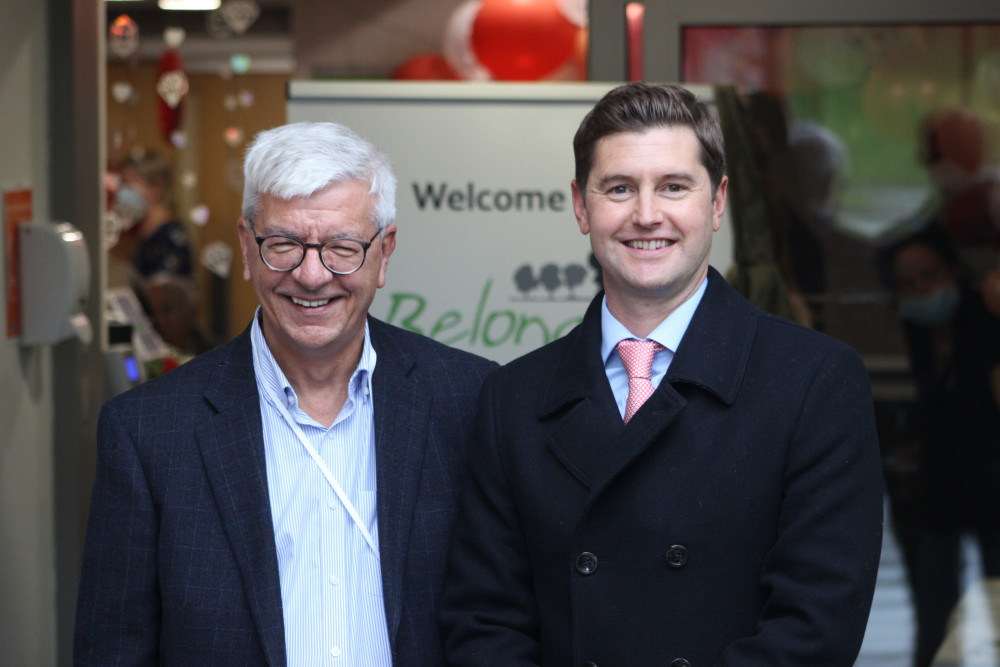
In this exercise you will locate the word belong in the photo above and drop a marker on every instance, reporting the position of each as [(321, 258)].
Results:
[(485, 326), (474, 198)]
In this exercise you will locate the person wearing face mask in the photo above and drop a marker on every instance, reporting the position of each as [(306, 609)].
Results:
[(161, 242), (953, 343)]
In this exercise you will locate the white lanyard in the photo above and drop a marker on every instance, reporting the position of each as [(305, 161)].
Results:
[(345, 501)]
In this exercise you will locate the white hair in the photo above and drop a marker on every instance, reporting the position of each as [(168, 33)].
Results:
[(301, 159)]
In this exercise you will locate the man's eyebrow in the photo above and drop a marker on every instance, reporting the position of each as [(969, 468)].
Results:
[(610, 178), (682, 176), (282, 231)]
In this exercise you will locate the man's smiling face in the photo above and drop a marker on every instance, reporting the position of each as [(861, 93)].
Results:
[(310, 312), (650, 210)]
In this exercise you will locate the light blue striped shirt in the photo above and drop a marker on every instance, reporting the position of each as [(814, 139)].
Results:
[(331, 585), (668, 334)]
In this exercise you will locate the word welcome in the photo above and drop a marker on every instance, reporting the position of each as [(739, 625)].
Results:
[(473, 198), (489, 328)]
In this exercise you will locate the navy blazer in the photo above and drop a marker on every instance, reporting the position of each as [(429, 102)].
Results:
[(180, 566), (735, 520)]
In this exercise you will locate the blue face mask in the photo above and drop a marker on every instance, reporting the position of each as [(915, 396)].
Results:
[(930, 310), (129, 203)]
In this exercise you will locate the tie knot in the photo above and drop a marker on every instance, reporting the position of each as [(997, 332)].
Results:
[(637, 355)]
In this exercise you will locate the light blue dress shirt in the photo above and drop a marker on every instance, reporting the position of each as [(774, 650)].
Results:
[(331, 584), (668, 334)]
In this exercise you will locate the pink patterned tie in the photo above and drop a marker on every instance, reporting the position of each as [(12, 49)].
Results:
[(637, 355)]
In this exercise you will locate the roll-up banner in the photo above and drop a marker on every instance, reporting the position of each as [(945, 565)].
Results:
[(489, 257)]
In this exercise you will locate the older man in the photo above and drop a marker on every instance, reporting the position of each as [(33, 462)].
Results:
[(288, 497)]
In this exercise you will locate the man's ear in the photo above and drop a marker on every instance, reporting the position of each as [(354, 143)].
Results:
[(246, 245), (719, 203), (388, 241), (580, 207)]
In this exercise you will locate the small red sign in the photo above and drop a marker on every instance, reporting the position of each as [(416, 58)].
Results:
[(17, 209)]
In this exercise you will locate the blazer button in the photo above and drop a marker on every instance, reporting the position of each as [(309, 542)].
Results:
[(589, 663), (586, 563), (677, 556), (680, 662)]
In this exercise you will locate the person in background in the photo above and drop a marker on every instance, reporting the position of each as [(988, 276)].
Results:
[(172, 303), (956, 148), (953, 342), (161, 241), (682, 479), (288, 497), (151, 252)]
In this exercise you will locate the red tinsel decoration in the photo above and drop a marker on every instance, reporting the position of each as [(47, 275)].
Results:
[(170, 102)]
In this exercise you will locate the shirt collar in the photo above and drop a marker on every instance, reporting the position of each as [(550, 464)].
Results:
[(273, 382), (668, 333)]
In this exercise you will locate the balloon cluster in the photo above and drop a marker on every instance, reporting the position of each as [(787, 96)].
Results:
[(507, 40)]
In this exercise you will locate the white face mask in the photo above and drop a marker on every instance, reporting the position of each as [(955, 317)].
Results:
[(129, 205)]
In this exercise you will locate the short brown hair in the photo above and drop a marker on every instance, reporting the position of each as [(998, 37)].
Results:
[(638, 107)]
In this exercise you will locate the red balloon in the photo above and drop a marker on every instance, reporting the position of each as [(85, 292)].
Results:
[(522, 40), (424, 67)]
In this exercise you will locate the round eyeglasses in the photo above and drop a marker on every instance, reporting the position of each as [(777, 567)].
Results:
[(340, 256)]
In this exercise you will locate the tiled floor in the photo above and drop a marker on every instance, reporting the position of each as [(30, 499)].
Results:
[(889, 638)]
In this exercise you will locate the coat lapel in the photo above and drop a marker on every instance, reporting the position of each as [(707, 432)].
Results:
[(579, 403), (402, 415), (589, 437), (232, 447)]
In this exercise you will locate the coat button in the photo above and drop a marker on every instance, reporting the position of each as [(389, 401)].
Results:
[(677, 556), (586, 563), (680, 662), (589, 663)]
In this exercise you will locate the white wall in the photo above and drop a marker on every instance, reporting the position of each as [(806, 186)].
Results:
[(27, 535)]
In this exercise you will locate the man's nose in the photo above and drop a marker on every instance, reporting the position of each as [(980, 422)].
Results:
[(312, 272), (648, 209)]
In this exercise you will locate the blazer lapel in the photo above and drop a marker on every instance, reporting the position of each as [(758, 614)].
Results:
[(232, 447), (402, 415)]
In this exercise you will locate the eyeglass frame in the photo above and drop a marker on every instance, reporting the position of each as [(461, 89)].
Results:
[(365, 245)]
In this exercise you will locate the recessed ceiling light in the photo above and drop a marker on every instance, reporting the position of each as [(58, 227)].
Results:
[(189, 4)]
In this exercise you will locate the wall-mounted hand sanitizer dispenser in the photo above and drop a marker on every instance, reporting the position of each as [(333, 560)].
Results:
[(55, 280)]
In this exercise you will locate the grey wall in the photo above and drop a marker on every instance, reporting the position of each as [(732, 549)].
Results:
[(27, 513), (51, 90)]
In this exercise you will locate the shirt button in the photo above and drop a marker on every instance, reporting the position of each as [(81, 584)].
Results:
[(330, 504), (334, 581), (335, 652)]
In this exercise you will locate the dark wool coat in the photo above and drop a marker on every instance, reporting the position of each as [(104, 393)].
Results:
[(736, 519)]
